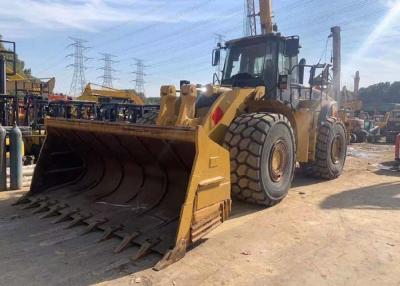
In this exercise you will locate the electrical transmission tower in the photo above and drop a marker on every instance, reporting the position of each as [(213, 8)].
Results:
[(108, 69), (139, 81), (250, 26), (78, 79)]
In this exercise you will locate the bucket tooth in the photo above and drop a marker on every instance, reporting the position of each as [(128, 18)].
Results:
[(93, 225), (54, 211), (172, 256), (65, 216), (126, 242), (33, 204), (77, 220), (43, 207), (22, 200), (109, 232), (145, 248)]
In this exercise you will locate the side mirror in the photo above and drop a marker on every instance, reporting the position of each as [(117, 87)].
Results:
[(283, 81), (216, 57), (302, 64), (312, 76)]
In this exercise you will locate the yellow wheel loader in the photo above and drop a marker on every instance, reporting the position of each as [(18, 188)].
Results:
[(162, 187)]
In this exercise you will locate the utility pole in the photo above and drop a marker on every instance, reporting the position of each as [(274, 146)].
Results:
[(108, 70), (219, 39), (139, 81), (250, 28), (356, 85), (336, 60), (78, 79)]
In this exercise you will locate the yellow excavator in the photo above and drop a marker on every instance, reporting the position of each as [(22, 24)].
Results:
[(96, 93), (164, 186)]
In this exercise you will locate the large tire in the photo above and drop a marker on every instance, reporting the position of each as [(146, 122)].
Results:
[(256, 142), (149, 118), (331, 151), (362, 136)]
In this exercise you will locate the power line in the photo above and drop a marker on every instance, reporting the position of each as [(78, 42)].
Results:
[(107, 69), (176, 15), (78, 79)]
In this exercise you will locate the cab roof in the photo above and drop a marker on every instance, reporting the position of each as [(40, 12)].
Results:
[(255, 39)]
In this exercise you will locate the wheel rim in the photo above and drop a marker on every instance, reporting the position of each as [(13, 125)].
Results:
[(278, 161), (336, 149)]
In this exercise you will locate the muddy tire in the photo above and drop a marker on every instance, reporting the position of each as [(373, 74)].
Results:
[(149, 118), (331, 151), (353, 138), (262, 156)]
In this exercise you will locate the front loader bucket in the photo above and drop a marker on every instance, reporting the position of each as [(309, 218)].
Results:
[(160, 188)]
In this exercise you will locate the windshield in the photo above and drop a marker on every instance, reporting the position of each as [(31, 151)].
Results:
[(255, 61)]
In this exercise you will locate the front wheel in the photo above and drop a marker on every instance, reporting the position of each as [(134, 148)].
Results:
[(262, 154)]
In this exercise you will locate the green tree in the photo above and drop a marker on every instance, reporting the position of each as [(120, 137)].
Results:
[(381, 96)]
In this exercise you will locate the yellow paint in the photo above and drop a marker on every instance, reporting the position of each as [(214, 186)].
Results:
[(8, 148), (93, 94)]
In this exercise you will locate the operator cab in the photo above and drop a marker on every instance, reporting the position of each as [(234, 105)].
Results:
[(270, 60), (259, 60)]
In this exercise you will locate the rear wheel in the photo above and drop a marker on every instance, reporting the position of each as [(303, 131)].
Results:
[(330, 151), (149, 118), (262, 154)]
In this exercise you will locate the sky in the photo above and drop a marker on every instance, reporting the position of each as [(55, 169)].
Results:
[(175, 38)]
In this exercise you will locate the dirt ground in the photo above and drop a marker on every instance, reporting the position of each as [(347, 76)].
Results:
[(342, 232)]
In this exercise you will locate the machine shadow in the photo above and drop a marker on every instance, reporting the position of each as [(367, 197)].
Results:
[(301, 180), (390, 168), (384, 196), (38, 252), (240, 208)]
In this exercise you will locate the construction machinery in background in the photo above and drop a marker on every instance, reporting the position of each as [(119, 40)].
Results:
[(363, 127), (392, 127), (12, 108), (162, 187), (107, 94), (351, 113), (26, 101), (387, 126)]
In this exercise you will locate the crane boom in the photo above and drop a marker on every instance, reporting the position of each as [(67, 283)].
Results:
[(266, 16)]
